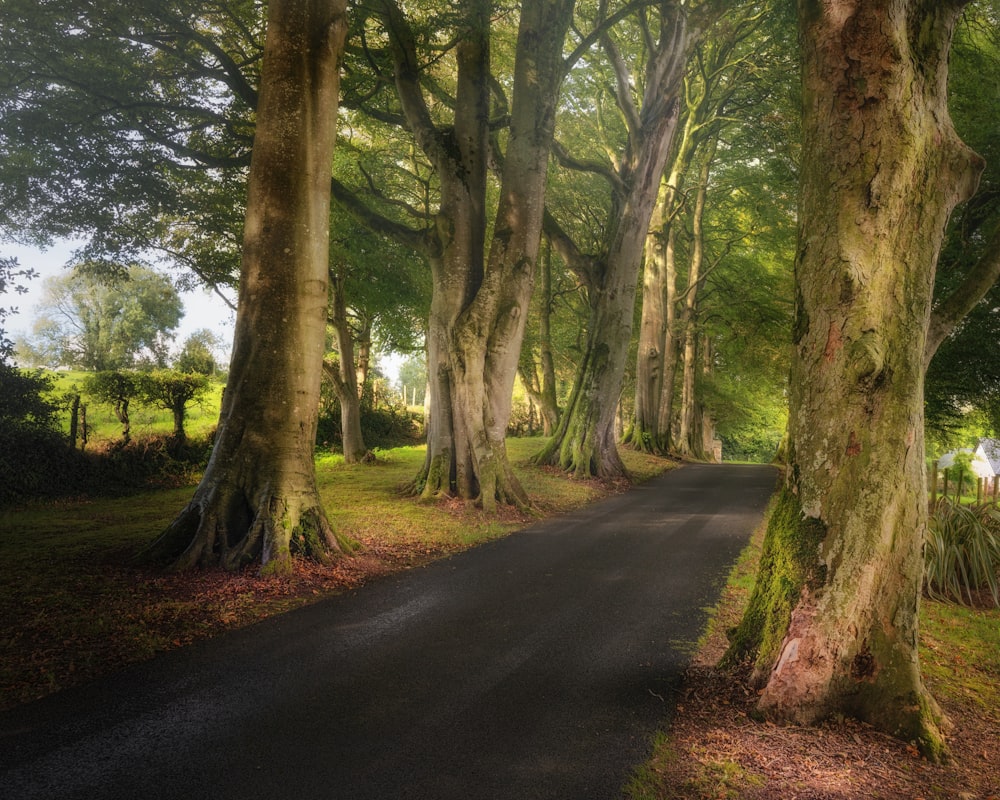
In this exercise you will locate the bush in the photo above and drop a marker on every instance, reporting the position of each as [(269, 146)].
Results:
[(38, 464), (962, 551), (384, 427)]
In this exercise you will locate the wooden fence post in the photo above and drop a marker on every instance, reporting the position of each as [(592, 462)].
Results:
[(979, 491), (934, 480)]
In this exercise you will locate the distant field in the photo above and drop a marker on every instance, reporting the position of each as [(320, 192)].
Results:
[(102, 424)]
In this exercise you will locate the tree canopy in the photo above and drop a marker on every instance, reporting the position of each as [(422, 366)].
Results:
[(97, 322)]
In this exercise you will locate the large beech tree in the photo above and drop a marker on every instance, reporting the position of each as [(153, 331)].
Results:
[(648, 99), (258, 495), (832, 624), (481, 286)]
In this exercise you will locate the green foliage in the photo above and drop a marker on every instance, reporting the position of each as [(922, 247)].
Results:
[(960, 471), (95, 320), (965, 372), (382, 427), (130, 125), (413, 379), (24, 400), (962, 551), (118, 390), (172, 391), (197, 354)]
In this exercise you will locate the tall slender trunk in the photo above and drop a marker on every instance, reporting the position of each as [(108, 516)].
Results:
[(689, 439), (344, 377), (645, 433), (258, 496), (665, 420), (832, 626), (548, 400)]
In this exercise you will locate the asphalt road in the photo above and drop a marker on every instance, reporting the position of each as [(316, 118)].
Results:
[(536, 666)]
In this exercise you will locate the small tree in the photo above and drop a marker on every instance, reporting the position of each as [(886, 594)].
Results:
[(117, 389), (171, 390), (197, 355)]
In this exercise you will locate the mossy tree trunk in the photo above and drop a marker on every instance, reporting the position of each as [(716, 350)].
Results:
[(479, 301), (258, 497), (541, 388), (832, 626), (585, 443)]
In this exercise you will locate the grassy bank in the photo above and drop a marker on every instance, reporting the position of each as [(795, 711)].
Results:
[(74, 607), (714, 750)]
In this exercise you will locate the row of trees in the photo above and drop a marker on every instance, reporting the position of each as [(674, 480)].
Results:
[(618, 129)]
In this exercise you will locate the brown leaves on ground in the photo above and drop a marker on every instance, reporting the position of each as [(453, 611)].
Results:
[(110, 614), (717, 751)]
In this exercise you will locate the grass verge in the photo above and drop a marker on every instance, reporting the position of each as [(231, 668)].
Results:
[(713, 750), (73, 607)]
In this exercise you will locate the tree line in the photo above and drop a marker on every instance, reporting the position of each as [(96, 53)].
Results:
[(656, 137)]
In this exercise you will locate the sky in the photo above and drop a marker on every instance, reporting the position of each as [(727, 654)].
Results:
[(202, 309)]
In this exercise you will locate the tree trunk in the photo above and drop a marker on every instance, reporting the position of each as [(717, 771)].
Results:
[(548, 401), (258, 496), (832, 624), (689, 438), (541, 388), (478, 310), (644, 433), (670, 357), (344, 377), (178, 410), (585, 443)]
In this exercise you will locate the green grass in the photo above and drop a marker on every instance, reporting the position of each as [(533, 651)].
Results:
[(103, 426), (960, 655)]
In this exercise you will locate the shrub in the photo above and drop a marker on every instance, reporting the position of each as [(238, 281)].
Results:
[(962, 551)]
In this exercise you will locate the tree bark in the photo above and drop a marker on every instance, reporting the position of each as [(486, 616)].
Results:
[(542, 388), (585, 443), (479, 305), (258, 496), (644, 433), (832, 626), (344, 377), (689, 438)]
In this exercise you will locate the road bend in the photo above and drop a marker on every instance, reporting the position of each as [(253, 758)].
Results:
[(535, 666)]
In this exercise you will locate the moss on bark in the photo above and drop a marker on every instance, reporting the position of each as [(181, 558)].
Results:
[(789, 561)]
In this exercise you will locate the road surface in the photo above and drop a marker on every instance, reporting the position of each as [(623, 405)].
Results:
[(535, 666)]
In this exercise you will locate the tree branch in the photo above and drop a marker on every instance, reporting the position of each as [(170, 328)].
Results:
[(953, 308), (408, 237)]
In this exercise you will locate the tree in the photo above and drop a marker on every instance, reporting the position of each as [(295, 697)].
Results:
[(832, 626), (965, 372), (197, 354), (648, 100), (91, 321), (117, 389), (720, 68), (367, 299), (480, 293), (128, 124), (258, 496), (171, 390)]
